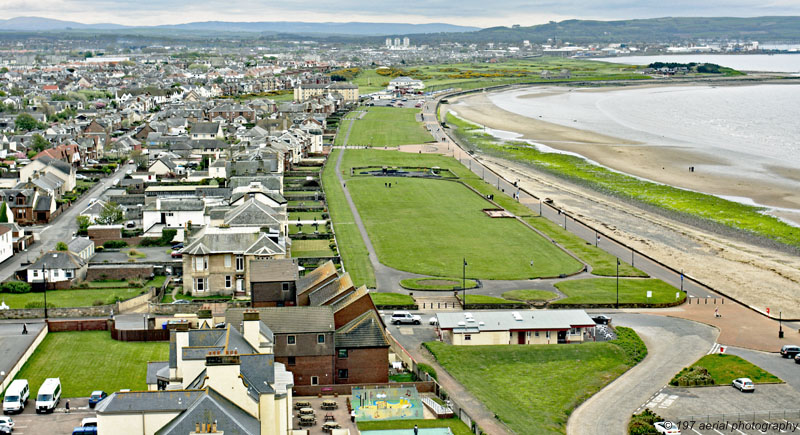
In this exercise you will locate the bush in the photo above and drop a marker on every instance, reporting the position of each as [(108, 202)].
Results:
[(630, 342), (115, 244), (98, 303), (15, 287), (692, 376), (642, 424), (425, 368)]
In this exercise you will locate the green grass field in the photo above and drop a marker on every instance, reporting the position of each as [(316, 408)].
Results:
[(455, 425), (433, 283), (349, 242), (489, 300), (391, 299), (307, 229), (312, 248), (80, 297), (529, 295), (90, 360), (725, 368), (604, 291), (449, 225), (386, 126), (534, 386)]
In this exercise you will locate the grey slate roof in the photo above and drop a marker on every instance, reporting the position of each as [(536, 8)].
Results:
[(288, 320), (185, 204), (213, 407), (58, 260), (205, 127), (365, 330), (78, 244), (43, 203), (138, 401), (278, 270), (316, 276), (251, 213), (251, 243), (152, 371)]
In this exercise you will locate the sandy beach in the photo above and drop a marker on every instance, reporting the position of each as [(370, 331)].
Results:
[(664, 164), (757, 276)]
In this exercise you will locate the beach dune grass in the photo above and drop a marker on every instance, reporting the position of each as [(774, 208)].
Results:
[(604, 291), (533, 388), (429, 226), (725, 368), (436, 283), (90, 360)]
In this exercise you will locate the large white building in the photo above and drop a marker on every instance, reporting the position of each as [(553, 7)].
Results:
[(516, 327)]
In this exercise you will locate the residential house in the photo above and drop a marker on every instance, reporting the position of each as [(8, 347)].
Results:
[(173, 213), (516, 327), (162, 167), (273, 283), (6, 243), (83, 247), (48, 165), (207, 130), (58, 269)]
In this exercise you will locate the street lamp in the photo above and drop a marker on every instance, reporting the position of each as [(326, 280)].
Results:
[(617, 283), (464, 284), (44, 280)]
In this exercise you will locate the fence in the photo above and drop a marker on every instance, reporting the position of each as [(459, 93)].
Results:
[(77, 325), (139, 334), (757, 416), (345, 389)]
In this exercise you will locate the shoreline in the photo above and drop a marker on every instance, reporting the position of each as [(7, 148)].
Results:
[(661, 164)]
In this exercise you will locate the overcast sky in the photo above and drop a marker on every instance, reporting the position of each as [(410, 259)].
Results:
[(466, 12)]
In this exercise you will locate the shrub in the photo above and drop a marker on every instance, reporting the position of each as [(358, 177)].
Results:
[(15, 287), (98, 303), (425, 368), (642, 424), (115, 244), (691, 376), (630, 342)]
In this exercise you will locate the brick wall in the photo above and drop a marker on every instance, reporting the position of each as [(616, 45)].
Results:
[(364, 366), (307, 366), (102, 235), (77, 325), (99, 272)]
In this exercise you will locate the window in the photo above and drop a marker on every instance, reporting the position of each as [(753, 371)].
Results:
[(573, 331), (35, 273), (342, 353), (227, 260), (291, 339), (547, 334), (228, 281), (200, 263), (343, 373), (467, 337), (529, 334), (200, 285), (68, 274), (286, 286), (291, 361), (537, 333), (240, 263), (321, 338), (314, 380)]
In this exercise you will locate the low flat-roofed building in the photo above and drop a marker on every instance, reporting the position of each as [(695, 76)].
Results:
[(516, 327)]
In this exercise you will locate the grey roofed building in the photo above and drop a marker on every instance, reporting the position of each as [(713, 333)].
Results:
[(139, 401), (205, 128), (212, 407), (64, 260), (287, 320), (63, 167), (252, 213), (284, 269), (208, 144), (153, 369), (332, 291), (187, 204), (365, 330), (43, 203), (78, 244), (256, 243)]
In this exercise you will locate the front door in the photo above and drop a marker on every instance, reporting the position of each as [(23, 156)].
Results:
[(520, 337), (562, 336), (239, 285)]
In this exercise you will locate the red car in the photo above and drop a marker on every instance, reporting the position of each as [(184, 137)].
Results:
[(177, 254)]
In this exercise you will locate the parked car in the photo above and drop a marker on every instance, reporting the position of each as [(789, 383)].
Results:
[(177, 246), (744, 384), (7, 421), (5, 430), (181, 301), (129, 172), (16, 396), (96, 397), (176, 254), (789, 351), (667, 427), (90, 421), (405, 317), (797, 358), (433, 321), (92, 162), (81, 177), (602, 319), (130, 224), (89, 430)]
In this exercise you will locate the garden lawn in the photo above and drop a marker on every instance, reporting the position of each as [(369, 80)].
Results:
[(90, 360), (530, 295), (71, 298), (429, 226), (533, 386), (312, 248), (725, 368), (391, 299), (455, 425), (349, 242), (387, 127), (307, 229), (604, 291), (294, 216)]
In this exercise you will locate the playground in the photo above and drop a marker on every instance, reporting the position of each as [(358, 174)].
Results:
[(372, 404)]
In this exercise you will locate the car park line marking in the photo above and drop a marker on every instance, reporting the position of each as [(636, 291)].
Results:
[(720, 433), (714, 349), (695, 431)]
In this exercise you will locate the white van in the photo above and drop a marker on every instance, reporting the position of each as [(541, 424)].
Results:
[(16, 396), (49, 395)]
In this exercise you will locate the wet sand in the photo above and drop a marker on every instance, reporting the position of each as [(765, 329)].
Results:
[(668, 165)]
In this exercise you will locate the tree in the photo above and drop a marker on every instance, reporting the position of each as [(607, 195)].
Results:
[(4, 213), (39, 143), (140, 159), (83, 223), (26, 122), (110, 214), (61, 246)]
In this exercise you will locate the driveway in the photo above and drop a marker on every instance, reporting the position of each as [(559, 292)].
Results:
[(672, 344)]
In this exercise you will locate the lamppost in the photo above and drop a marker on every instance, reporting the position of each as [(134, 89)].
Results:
[(617, 283), (681, 279), (44, 280), (464, 284), (780, 323)]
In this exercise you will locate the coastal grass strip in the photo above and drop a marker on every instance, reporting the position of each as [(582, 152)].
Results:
[(604, 291), (434, 283)]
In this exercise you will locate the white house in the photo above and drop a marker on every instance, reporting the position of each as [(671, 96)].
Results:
[(207, 130), (82, 247), (173, 213), (516, 327), (57, 267), (405, 84), (6, 243)]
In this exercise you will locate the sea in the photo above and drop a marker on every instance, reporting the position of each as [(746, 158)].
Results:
[(751, 128)]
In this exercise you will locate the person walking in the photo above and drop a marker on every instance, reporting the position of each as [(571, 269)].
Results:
[(24, 329), (67, 406), (416, 430)]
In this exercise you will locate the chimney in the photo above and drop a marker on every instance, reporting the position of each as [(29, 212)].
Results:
[(251, 329), (158, 203)]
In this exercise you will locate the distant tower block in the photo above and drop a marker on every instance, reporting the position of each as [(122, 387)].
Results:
[(388, 42), (406, 42), (396, 42)]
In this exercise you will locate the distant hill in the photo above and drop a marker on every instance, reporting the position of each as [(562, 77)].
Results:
[(640, 30), (35, 24)]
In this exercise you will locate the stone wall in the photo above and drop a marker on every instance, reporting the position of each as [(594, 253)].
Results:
[(137, 301), (34, 313), (175, 308), (129, 271)]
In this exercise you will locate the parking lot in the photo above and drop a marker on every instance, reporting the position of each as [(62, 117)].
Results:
[(57, 423), (411, 101)]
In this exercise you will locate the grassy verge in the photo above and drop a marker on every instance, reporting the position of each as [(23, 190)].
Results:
[(117, 290), (351, 246), (510, 380), (487, 300), (91, 360), (723, 369), (391, 299), (530, 295), (698, 205), (436, 283), (455, 425), (386, 126), (604, 291)]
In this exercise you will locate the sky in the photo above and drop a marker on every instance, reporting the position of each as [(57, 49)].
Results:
[(464, 12)]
